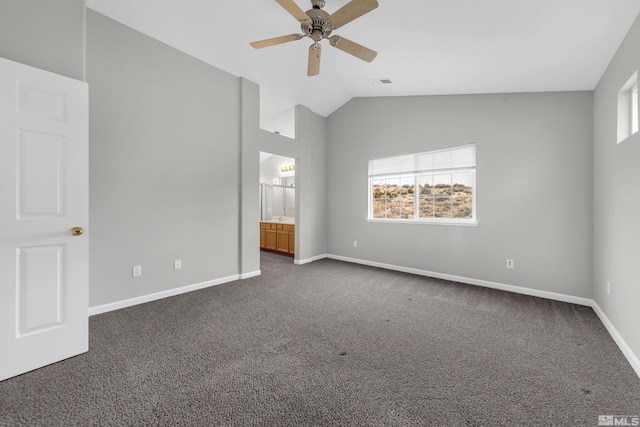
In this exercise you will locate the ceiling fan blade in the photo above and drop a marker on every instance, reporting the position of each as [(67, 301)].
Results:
[(350, 11), (276, 40), (295, 11), (315, 51), (353, 48)]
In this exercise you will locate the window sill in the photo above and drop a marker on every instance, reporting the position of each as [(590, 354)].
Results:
[(466, 223), (631, 136)]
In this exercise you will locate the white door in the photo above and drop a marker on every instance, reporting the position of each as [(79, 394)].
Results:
[(44, 269)]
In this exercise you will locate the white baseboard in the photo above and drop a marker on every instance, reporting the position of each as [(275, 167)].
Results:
[(484, 283), (99, 309), (622, 344), (308, 260), (250, 274)]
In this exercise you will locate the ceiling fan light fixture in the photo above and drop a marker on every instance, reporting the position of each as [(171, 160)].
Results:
[(317, 24)]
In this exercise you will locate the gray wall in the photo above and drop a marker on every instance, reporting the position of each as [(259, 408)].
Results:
[(533, 186), (45, 34), (617, 199), (164, 159)]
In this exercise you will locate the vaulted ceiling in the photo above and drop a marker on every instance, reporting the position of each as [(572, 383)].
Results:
[(425, 47)]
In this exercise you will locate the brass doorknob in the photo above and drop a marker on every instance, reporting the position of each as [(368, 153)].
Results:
[(76, 231)]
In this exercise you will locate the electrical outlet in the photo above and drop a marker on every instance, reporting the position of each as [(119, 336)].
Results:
[(177, 264), (355, 243), (608, 288), (137, 271), (510, 263)]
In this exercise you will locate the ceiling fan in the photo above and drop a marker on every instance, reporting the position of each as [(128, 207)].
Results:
[(318, 24)]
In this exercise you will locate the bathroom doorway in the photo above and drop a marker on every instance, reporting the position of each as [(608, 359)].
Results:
[(277, 204)]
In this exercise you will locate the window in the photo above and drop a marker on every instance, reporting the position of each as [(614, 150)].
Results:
[(628, 108), (435, 186), (634, 109)]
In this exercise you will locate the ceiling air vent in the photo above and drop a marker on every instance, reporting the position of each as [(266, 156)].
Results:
[(377, 82)]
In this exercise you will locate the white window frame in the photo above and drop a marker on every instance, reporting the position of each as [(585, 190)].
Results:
[(415, 175), (634, 109), (628, 109)]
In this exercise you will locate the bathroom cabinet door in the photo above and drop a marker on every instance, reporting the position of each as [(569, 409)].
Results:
[(270, 240), (282, 241)]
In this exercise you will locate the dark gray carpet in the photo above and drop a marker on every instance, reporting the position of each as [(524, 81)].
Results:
[(331, 343)]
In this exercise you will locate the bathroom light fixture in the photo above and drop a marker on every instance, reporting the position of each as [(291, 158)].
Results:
[(287, 168)]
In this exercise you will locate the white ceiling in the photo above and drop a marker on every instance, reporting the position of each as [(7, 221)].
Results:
[(425, 47)]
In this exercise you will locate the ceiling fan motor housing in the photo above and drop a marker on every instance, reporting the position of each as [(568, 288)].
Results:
[(319, 27), (318, 24)]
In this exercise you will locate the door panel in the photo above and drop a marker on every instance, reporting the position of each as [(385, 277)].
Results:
[(40, 288), (44, 270), (282, 241), (270, 239), (40, 174)]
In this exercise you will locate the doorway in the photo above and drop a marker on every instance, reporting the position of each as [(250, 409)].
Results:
[(277, 204)]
